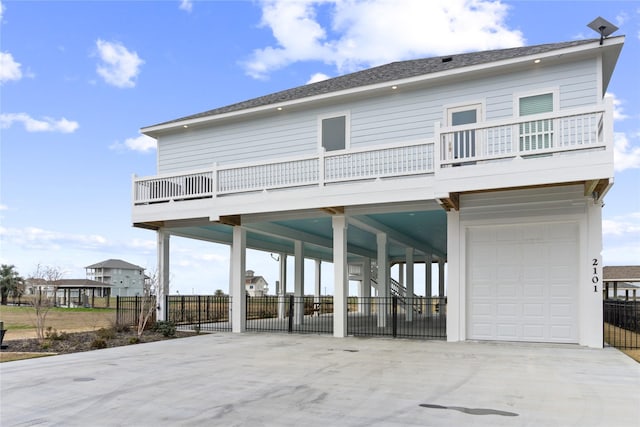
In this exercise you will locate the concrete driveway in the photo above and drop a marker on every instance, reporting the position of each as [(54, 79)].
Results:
[(293, 380)]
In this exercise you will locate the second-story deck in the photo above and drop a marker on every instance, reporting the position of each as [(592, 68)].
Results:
[(568, 146)]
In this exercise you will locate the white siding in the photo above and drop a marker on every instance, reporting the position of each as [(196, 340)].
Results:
[(398, 117)]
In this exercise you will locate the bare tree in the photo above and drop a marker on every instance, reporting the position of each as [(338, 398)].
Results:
[(148, 302), (44, 295)]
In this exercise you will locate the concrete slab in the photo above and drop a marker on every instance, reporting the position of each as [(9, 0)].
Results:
[(292, 380)]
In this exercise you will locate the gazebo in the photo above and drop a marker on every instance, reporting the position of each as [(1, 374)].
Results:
[(621, 278), (82, 286)]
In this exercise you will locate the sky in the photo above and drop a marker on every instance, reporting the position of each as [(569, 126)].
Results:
[(78, 79)]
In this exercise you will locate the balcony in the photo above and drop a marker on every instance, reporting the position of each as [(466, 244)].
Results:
[(499, 143)]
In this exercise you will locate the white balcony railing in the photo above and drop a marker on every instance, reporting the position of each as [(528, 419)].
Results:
[(530, 136), (542, 134)]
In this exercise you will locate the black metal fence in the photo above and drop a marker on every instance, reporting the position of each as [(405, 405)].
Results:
[(200, 312), (398, 317), (292, 314), (622, 323), (128, 310)]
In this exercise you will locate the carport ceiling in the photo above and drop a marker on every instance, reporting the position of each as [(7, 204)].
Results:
[(425, 230)]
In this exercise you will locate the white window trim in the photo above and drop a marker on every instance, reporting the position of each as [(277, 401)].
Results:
[(555, 91), (454, 108), (347, 129)]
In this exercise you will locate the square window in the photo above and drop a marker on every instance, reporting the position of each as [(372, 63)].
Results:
[(334, 133)]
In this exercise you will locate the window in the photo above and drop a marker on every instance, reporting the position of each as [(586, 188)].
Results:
[(333, 131), (536, 134)]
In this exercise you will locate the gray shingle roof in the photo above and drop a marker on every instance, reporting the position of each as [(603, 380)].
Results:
[(622, 273), (116, 263), (386, 73)]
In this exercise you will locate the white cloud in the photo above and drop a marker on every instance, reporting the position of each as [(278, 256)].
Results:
[(317, 77), (1, 10), (9, 68), (141, 143), (186, 5), (625, 155), (119, 66), (47, 124), (365, 33), (37, 238), (622, 225), (4, 207), (618, 111)]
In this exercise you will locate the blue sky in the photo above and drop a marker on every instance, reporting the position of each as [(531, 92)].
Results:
[(78, 79)]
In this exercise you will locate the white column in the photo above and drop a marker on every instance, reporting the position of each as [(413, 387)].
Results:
[(409, 302), (428, 276), (383, 279), (455, 298), (298, 248), (401, 267), (318, 281), (590, 294), (366, 287), (340, 275), (441, 278), (163, 273), (230, 306), (238, 272), (283, 286)]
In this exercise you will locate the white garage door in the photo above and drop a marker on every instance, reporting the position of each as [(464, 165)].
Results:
[(522, 283)]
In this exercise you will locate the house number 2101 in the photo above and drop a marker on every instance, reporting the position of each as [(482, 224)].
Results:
[(595, 279)]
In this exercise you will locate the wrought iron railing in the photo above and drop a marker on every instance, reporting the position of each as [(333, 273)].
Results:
[(622, 323)]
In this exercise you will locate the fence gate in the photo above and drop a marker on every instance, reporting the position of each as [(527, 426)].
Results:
[(396, 316), (292, 314)]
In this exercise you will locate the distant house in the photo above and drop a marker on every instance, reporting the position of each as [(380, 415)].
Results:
[(621, 281), (125, 278), (256, 286)]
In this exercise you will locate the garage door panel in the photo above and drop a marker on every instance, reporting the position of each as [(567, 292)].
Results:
[(533, 332), (528, 290)]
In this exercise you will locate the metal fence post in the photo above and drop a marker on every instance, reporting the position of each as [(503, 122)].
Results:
[(394, 315), (199, 311), (290, 314), (118, 314)]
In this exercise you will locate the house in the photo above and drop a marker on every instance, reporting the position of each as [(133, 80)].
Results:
[(492, 164), (621, 281), (126, 279), (256, 286)]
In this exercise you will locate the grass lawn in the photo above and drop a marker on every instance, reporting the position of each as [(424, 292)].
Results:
[(20, 321)]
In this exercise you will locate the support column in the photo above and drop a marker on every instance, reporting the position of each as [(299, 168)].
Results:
[(298, 292), (455, 288), (366, 287), (383, 279), (409, 304), (162, 274), (340, 275), (282, 292), (238, 272), (318, 282), (428, 276), (441, 278), (591, 312)]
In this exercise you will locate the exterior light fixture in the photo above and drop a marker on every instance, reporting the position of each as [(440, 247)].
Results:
[(394, 87), (537, 61), (185, 126), (279, 108)]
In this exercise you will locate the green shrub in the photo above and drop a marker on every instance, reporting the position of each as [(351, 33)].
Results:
[(134, 340), (168, 329), (99, 343)]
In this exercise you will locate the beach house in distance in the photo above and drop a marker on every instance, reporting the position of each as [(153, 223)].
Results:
[(494, 163)]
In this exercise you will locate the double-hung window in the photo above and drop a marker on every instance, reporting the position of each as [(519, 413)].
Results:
[(334, 132), (536, 134)]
